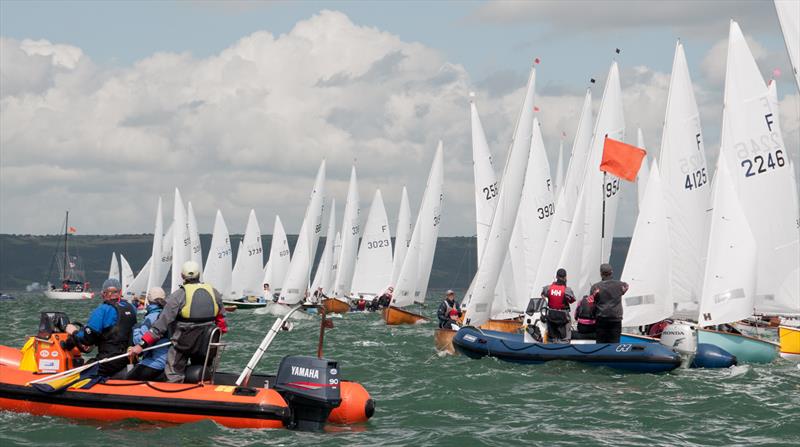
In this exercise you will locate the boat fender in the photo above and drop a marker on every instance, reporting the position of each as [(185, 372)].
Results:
[(712, 356), (357, 405)]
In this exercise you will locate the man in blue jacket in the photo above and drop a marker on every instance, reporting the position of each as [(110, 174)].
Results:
[(151, 366), (110, 328)]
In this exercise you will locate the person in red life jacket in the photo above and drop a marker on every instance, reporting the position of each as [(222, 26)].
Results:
[(608, 305), (558, 297), (449, 311), (190, 315), (361, 304), (584, 315), (110, 328)]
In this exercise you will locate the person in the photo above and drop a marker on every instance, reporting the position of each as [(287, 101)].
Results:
[(361, 304), (386, 299), (267, 292), (607, 296), (558, 297), (319, 295), (374, 305), (65, 287), (110, 328), (190, 315), (449, 311), (151, 366), (584, 315)]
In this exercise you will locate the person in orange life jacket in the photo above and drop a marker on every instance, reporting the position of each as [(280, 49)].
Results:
[(110, 328), (190, 315), (608, 305), (151, 367), (558, 297), (584, 314), (449, 311)]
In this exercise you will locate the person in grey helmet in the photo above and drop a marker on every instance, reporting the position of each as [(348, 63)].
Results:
[(608, 305), (190, 314)]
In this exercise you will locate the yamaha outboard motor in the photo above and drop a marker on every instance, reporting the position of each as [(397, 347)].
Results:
[(311, 387)]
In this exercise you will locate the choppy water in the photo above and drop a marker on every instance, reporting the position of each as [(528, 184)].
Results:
[(426, 399)]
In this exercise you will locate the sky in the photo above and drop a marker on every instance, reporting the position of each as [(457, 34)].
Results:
[(105, 106)]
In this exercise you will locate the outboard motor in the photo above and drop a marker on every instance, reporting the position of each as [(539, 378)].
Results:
[(681, 337), (311, 387)]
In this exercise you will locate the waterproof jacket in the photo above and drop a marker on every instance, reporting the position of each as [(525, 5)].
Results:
[(443, 313), (171, 314), (608, 299), (106, 330), (157, 358)]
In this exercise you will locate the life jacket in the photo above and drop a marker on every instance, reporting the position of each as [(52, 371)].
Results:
[(116, 339), (556, 297), (201, 304), (361, 304), (585, 311)]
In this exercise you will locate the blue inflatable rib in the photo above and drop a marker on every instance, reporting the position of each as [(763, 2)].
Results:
[(634, 357)]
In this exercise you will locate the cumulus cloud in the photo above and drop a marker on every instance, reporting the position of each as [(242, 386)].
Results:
[(247, 127)]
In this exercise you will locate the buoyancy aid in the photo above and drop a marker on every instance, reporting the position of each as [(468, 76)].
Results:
[(116, 339), (556, 297), (200, 305)]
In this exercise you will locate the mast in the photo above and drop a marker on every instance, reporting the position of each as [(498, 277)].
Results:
[(66, 231)]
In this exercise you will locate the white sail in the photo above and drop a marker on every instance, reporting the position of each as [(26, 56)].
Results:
[(789, 17), (218, 271), (138, 286), (126, 274), (486, 185), (429, 221), (572, 256), (164, 259), (157, 267), (373, 270), (180, 240), (403, 238), (759, 165), (195, 249), (279, 258), (646, 270), (412, 279), (337, 248), (113, 269), (559, 177), (644, 171), (603, 191), (322, 277), (297, 278), (351, 231), (685, 182), (247, 274), (729, 280), (560, 228), (479, 297), (536, 214)]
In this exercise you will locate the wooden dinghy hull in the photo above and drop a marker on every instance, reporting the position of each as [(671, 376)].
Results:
[(335, 306), (443, 339), (396, 316)]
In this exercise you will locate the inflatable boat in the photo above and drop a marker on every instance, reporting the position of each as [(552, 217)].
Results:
[(634, 357), (45, 378), (705, 355)]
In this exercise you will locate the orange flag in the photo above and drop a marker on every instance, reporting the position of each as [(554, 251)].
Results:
[(73, 230), (621, 160)]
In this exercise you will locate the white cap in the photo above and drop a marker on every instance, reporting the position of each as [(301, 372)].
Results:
[(190, 270)]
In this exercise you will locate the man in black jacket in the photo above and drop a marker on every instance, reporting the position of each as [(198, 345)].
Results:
[(608, 305)]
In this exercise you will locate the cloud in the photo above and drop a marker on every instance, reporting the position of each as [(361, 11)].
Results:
[(247, 127), (697, 18)]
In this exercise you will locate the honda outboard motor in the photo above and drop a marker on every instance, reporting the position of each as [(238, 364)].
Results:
[(682, 338), (311, 388)]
